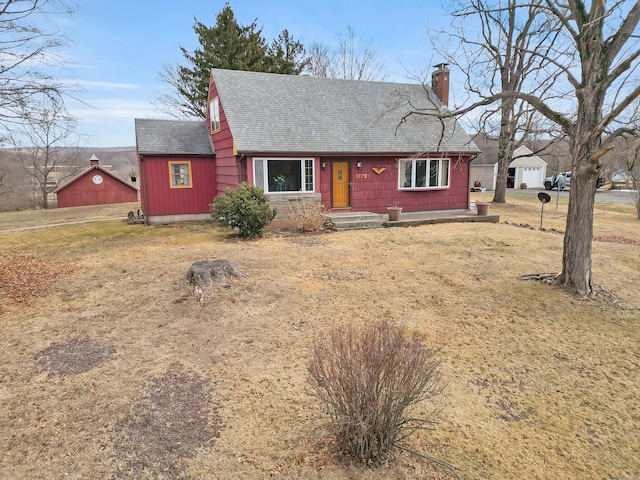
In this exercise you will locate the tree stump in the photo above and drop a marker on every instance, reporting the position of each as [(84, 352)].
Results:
[(200, 275)]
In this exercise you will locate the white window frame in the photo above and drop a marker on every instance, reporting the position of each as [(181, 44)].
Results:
[(264, 174), (441, 160), (214, 114)]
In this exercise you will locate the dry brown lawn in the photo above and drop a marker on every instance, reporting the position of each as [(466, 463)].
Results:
[(112, 369)]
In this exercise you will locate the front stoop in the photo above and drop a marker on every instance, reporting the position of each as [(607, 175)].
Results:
[(357, 220), (360, 220), (413, 221)]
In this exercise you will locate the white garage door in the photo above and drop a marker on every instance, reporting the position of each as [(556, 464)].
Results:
[(532, 176)]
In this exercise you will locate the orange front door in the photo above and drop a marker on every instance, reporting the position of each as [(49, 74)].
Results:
[(341, 184)]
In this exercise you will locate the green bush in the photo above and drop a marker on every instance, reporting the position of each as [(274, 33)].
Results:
[(245, 209)]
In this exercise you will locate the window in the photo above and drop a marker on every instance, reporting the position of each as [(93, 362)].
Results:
[(284, 174), (214, 114), (423, 173), (180, 174)]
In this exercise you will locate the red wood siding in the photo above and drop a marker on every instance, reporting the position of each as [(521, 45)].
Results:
[(82, 191), (158, 198), (374, 192), (228, 172)]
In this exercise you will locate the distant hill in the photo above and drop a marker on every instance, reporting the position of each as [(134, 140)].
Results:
[(122, 159)]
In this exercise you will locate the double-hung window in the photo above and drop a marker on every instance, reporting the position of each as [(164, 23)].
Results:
[(180, 174), (419, 173), (284, 174)]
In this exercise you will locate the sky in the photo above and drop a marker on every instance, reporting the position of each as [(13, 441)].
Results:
[(116, 49)]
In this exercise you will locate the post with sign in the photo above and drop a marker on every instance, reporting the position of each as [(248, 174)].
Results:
[(544, 198)]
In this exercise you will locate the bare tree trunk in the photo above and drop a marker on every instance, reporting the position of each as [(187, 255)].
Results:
[(585, 151), (505, 146), (500, 193), (576, 259), (45, 196)]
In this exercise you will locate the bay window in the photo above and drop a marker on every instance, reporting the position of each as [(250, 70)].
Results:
[(419, 173)]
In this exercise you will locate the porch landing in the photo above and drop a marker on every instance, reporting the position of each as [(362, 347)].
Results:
[(360, 220)]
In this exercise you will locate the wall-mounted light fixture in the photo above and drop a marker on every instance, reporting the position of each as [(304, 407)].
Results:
[(324, 165), (359, 165)]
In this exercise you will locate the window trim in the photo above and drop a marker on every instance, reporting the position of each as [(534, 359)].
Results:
[(440, 160), (303, 183), (189, 172), (214, 115)]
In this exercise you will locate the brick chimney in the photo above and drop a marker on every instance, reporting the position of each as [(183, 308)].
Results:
[(440, 82), (94, 160)]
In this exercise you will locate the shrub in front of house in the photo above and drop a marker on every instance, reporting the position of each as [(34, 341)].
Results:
[(371, 378), (306, 216), (246, 209)]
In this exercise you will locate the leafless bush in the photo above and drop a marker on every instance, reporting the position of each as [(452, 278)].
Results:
[(306, 216), (371, 378)]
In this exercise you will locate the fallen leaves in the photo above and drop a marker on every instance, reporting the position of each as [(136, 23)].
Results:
[(616, 239), (25, 278)]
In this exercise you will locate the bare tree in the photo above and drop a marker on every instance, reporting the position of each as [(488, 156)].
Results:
[(596, 55), (507, 54), (45, 143), (15, 191), (351, 60), (322, 62), (25, 49)]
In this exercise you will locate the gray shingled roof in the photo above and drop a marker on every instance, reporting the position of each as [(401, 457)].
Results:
[(271, 113), (173, 137)]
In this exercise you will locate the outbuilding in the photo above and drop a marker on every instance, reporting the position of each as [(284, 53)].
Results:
[(95, 186), (525, 168)]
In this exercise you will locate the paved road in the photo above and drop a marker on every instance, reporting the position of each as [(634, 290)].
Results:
[(624, 197)]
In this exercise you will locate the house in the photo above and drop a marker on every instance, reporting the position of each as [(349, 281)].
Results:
[(526, 167), (95, 186), (346, 144)]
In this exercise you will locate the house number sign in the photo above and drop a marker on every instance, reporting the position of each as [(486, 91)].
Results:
[(361, 175)]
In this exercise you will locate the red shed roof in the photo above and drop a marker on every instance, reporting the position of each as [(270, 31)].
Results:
[(93, 168)]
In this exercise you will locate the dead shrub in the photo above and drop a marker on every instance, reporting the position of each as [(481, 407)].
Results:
[(371, 378), (306, 216)]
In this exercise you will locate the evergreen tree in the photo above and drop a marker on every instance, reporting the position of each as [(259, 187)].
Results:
[(229, 45)]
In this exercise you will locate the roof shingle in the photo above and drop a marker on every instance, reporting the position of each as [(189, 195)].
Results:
[(173, 137), (272, 113)]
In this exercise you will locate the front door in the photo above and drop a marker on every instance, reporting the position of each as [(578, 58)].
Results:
[(341, 184)]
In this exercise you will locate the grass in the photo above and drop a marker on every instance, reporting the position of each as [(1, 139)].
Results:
[(538, 380)]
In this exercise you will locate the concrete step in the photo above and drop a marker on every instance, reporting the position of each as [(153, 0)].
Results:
[(357, 220)]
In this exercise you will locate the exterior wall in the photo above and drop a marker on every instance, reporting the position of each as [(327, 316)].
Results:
[(228, 170), (168, 219), (158, 198), (374, 192), (82, 191), (485, 174)]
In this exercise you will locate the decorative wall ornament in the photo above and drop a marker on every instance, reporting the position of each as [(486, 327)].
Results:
[(378, 171)]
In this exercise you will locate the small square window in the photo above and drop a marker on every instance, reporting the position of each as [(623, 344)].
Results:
[(180, 174)]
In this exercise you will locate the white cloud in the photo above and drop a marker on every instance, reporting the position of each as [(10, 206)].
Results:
[(98, 85)]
